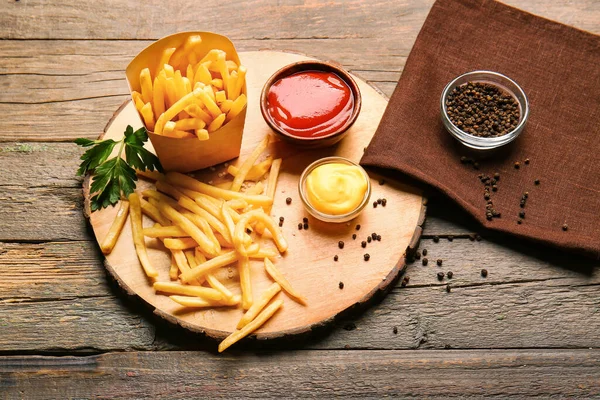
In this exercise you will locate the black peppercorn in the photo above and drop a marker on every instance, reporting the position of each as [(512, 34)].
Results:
[(527, 161), (395, 330), (341, 285), (522, 214), (537, 181), (299, 226), (358, 227), (369, 239), (379, 238), (381, 181), (450, 274), (341, 244), (484, 273), (354, 236), (565, 227), (519, 221), (378, 201), (335, 258), (439, 262), (288, 201), (436, 239), (418, 255), (363, 244), (424, 252), (440, 276), (374, 204), (367, 257), (424, 261), (517, 165), (450, 238), (305, 220), (383, 202), (448, 290), (305, 226)]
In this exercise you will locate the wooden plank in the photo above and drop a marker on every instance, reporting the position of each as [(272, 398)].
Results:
[(524, 302), (34, 19), (321, 374)]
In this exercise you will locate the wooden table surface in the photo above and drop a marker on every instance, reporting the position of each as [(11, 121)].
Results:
[(532, 327)]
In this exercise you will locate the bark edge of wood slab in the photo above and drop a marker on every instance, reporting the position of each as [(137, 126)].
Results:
[(382, 274)]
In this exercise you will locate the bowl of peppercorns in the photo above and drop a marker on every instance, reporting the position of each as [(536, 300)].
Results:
[(484, 110)]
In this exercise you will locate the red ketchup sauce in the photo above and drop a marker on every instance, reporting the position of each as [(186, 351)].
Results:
[(310, 103)]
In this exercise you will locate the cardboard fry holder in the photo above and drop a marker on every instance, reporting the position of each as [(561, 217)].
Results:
[(191, 154)]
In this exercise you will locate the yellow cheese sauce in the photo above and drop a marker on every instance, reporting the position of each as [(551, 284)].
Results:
[(336, 188)]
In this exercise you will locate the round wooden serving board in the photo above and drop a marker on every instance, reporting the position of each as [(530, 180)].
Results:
[(308, 263)]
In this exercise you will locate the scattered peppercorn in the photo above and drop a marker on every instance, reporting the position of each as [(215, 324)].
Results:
[(418, 255), (280, 223), (424, 252), (383, 202), (537, 181), (305, 226), (395, 330), (341, 244), (527, 161), (450, 238), (449, 274), (404, 281), (288, 201), (363, 244), (335, 258), (439, 262), (519, 221), (436, 239), (369, 239), (358, 227), (373, 236), (565, 227), (484, 273), (472, 237), (381, 181), (374, 204), (341, 285), (378, 201), (354, 236), (299, 226), (379, 238), (424, 261), (248, 231), (448, 289), (517, 165), (305, 220), (497, 176), (522, 214), (494, 188), (478, 237), (367, 257), (440, 276)]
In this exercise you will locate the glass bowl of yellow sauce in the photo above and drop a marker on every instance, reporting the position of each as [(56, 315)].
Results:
[(334, 189)]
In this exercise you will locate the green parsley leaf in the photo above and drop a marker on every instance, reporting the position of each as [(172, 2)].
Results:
[(135, 153), (115, 178), (95, 156)]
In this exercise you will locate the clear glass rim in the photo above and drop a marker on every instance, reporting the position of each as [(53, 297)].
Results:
[(332, 217), (483, 143)]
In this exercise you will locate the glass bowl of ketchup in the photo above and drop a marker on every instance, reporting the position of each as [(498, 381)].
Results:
[(310, 103)]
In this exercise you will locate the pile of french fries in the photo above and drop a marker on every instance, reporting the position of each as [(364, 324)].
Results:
[(190, 94), (208, 227)]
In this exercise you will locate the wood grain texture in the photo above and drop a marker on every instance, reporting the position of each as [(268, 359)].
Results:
[(526, 301), (303, 374)]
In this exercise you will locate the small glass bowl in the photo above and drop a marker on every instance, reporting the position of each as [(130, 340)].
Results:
[(332, 217), (498, 80)]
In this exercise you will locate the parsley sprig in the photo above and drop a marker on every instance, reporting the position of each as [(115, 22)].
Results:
[(115, 177)]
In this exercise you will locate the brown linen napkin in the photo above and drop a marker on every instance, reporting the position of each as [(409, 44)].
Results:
[(559, 69)]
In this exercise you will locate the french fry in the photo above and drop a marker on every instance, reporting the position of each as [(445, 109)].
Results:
[(236, 107), (248, 163), (278, 277), (208, 102), (152, 175), (115, 229), (148, 116), (258, 306), (226, 216), (164, 187), (255, 173), (135, 214), (181, 261), (217, 83), (183, 243), (204, 226), (176, 108), (202, 75), (236, 204), (214, 263), (188, 227), (216, 123), (153, 212), (226, 106), (192, 206), (170, 91), (164, 59), (202, 134), (239, 82), (158, 95), (256, 189), (256, 323), (259, 216), (197, 302), (173, 270), (195, 111), (273, 176), (190, 124), (154, 194), (245, 282), (230, 85), (146, 85), (165, 231), (220, 97), (185, 290), (179, 179)]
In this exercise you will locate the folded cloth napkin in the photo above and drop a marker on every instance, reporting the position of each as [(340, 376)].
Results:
[(558, 67)]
